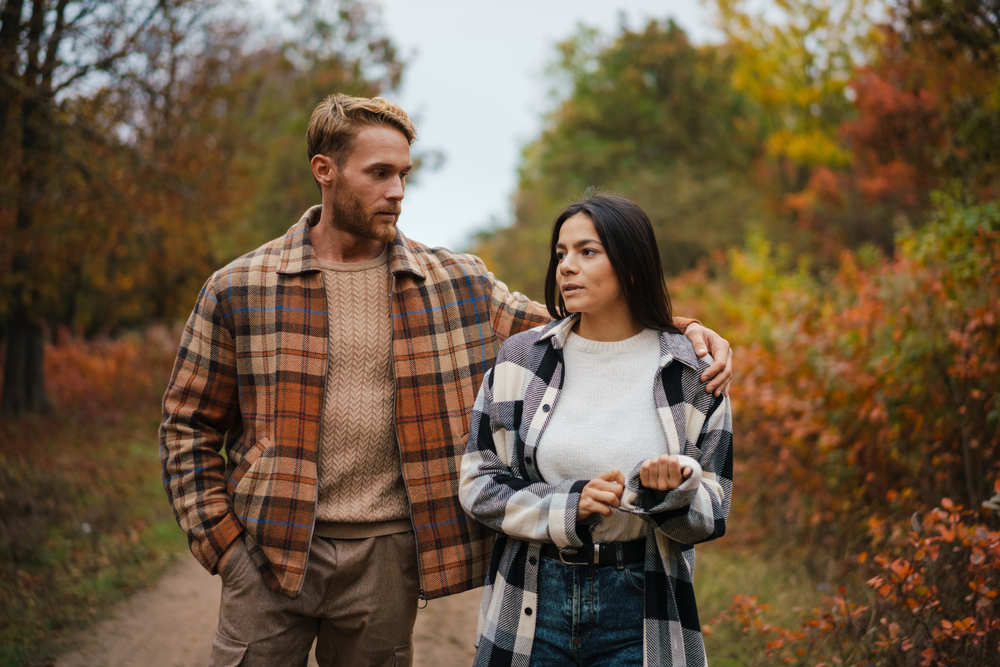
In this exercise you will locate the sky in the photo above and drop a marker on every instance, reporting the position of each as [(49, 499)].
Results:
[(475, 82)]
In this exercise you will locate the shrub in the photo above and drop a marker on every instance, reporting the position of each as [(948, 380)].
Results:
[(864, 394), (930, 603)]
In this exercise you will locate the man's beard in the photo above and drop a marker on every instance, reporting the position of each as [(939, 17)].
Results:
[(351, 215)]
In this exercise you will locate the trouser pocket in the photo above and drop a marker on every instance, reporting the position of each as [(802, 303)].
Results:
[(227, 652), (403, 655)]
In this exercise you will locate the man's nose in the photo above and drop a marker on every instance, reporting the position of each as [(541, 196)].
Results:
[(396, 189)]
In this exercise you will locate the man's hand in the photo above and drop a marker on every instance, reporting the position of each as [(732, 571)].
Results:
[(226, 554), (721, 371), (663, 473), (601, 494)]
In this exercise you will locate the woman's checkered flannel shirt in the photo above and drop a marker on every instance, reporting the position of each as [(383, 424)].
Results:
[(502, 488)]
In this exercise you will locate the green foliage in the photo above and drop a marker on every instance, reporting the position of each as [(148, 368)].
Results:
[(83, 518), (84, 524), (649, 116)]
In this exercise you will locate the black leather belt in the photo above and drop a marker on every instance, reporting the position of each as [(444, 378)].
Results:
[(599, 554)]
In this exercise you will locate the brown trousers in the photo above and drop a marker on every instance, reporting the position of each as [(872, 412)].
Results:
[(359, 602)]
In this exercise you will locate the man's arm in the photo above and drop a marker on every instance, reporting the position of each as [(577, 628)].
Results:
[(199, 406), (514, 312)]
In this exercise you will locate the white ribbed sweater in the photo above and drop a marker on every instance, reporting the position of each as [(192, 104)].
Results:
[(605, 418)]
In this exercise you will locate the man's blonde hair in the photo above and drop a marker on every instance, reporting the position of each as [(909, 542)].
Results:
[(334, 124)]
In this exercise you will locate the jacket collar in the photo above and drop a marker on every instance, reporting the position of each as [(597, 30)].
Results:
[(672, 346), (298, 255)]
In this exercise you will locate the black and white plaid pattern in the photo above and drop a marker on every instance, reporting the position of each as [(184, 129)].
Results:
[(502, 488)]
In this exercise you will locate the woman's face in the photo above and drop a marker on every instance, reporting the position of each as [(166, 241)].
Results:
[(586, 279)]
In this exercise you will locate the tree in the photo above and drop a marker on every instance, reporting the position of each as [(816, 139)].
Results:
[(147, 138), (796, 62), (48, 50), (652, 117), (926, 117)]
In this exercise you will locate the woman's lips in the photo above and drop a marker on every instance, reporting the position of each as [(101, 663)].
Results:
[(570, 289)]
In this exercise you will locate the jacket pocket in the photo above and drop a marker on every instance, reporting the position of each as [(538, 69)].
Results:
[(250, 458)]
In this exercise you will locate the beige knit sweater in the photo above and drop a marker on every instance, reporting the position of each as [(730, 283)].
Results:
[(361, 491)]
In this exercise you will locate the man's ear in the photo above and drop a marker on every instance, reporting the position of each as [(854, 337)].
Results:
[(324, 170)]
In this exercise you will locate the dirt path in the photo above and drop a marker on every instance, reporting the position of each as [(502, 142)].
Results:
[(172, 624)]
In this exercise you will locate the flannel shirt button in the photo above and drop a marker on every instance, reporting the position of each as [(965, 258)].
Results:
[(546, 407), (527, 459), (533, 560), (527, 611)]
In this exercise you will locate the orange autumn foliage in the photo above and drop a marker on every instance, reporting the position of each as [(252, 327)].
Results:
[(870, 393), (106, 380), (931, 602), (866, 393)]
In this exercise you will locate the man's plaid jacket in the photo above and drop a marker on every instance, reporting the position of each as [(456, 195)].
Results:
[(250, 376), (502, 487)]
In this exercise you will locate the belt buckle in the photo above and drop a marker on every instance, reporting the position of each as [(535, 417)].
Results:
[(597, 557)]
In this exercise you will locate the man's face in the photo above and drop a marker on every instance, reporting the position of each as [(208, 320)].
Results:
[(368, 192)]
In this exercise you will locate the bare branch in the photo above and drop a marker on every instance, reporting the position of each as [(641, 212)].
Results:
[(36, 27), (52, 48), (107, 62)]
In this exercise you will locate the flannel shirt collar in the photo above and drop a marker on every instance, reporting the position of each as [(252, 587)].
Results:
[(672, 346), (298, 255)]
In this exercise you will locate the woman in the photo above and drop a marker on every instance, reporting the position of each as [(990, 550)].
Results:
[(593, 566)]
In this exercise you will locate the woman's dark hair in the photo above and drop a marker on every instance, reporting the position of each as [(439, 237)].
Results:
[(627, 236)]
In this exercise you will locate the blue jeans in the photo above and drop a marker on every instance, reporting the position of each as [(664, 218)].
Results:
[(588, 615)]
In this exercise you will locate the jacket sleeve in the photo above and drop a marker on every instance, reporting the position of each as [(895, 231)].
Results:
[(490, 488), (199, 406), (511, 312), (697, 510)]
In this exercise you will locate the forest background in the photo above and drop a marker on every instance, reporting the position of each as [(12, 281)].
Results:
[(825, 187)]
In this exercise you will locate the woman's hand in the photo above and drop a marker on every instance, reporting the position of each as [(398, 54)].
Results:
[(662, 473), (601, 494)]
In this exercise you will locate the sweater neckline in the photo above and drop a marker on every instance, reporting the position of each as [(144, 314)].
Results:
[(642, 339), (356, 266)]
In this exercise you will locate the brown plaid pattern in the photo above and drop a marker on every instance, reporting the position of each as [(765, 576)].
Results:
[(250, 375)]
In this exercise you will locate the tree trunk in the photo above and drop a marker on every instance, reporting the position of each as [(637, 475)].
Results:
[(23, 373)]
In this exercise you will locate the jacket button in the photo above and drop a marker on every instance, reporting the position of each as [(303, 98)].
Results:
[(527, 459), (546, 407), (527, 611)]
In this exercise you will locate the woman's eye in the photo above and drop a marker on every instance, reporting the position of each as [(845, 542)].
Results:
[(589, 252), (560, 256)]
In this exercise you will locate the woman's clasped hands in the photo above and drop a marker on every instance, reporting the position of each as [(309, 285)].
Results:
[(604, 492), (663, 473), (601, 494)]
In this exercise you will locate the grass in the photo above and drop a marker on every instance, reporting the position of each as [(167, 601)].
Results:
[(84, 522), (723, 571)]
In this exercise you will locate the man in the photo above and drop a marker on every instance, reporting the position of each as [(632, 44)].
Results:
[(338, 366)]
